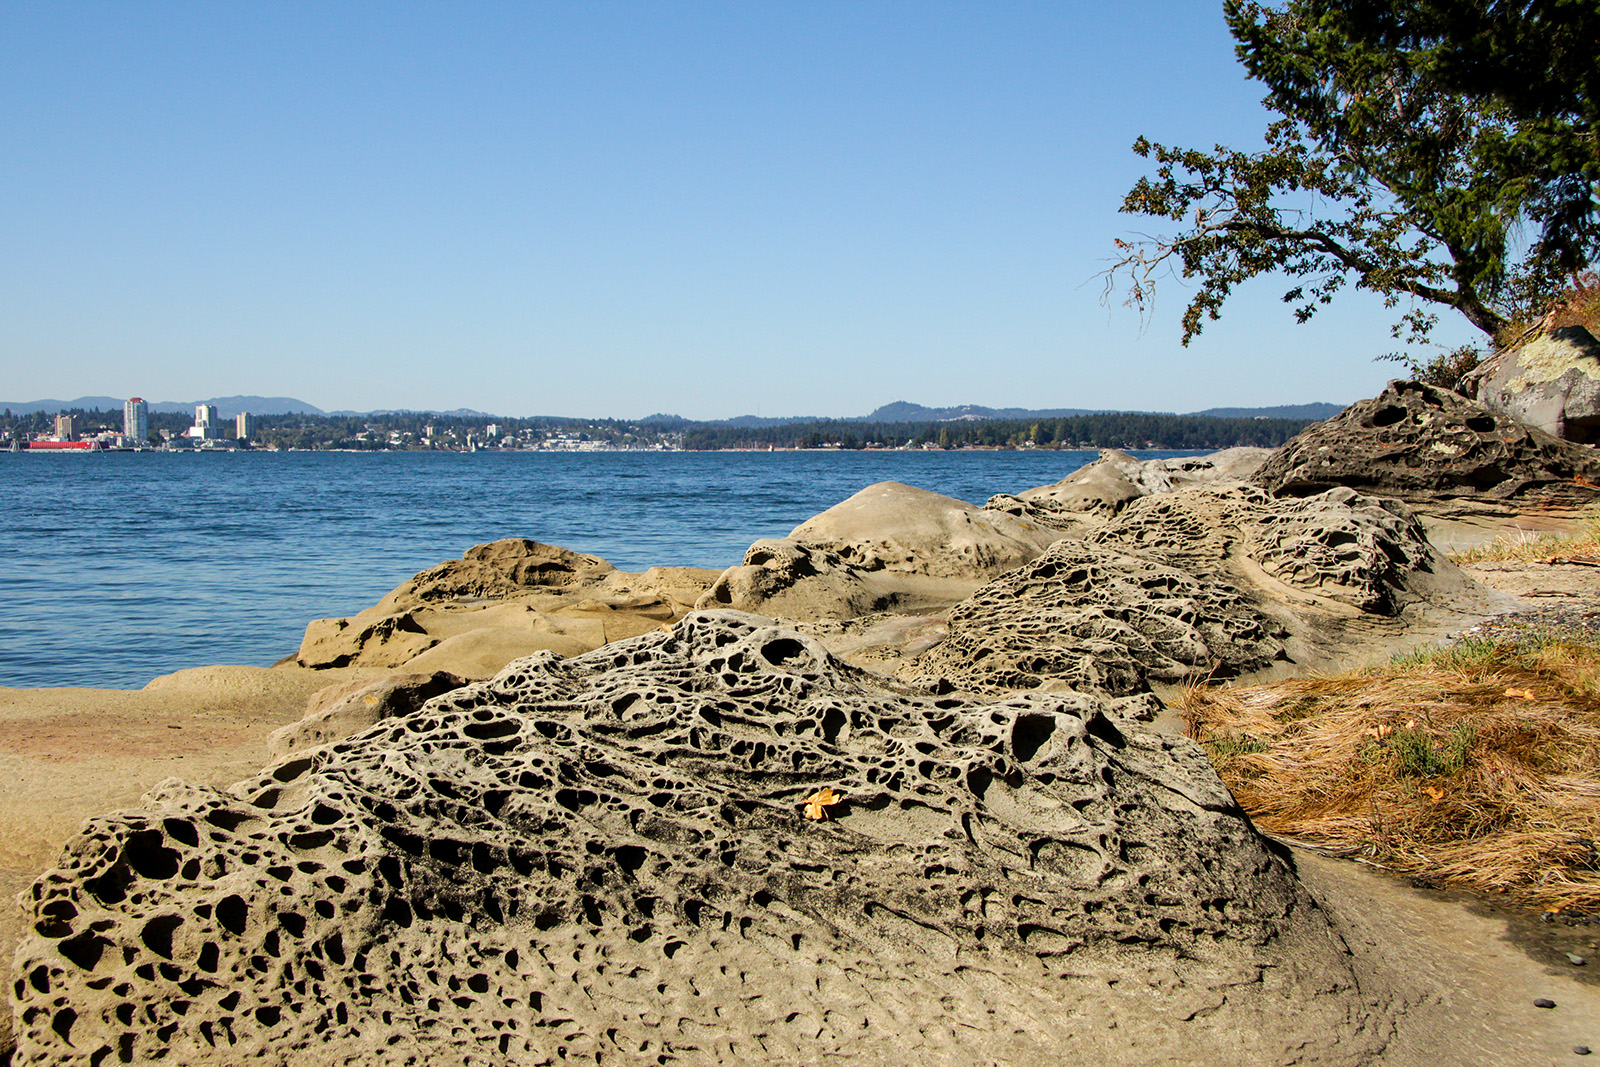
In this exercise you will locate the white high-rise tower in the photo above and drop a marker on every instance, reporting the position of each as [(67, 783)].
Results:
[(136, 420)]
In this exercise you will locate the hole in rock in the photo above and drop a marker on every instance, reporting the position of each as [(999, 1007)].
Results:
[(233, 913), (181, 831), (489, 731), (145, 852), (84, 950), (1102, 728), (785, 652), (157, 934), (1388, 416), (62, 1023), (209, 957), (288, 772)]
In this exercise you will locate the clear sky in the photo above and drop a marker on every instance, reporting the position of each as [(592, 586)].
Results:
[(614, 209)]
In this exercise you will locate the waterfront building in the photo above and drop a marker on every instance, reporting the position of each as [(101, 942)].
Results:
[(136, 421), (206, 425), (244, 426), (65, 429)]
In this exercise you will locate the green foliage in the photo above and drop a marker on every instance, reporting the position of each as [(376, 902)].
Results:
[(1228, 747), (1470, 655), (1387, 172), (1108, 430), (1446, 370), (1416, 756)]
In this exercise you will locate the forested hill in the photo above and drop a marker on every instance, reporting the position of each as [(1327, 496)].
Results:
[(1101, 430)]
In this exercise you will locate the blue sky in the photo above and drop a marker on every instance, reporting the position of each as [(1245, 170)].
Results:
[(620, 208)]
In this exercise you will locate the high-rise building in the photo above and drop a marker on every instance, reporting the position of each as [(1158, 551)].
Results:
[(244, 426), (136, 420), (65, 430), (205, 422)]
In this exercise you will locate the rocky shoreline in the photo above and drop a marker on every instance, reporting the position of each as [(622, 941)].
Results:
[(529, 808)]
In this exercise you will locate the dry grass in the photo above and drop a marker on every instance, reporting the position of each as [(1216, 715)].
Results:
[(1584, 546), (1476, 766)]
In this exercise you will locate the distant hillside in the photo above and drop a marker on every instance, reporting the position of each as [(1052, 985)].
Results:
[(902, 411), (1315, 412), (227, 406)]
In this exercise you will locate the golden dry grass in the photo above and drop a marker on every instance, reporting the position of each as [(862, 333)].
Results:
[(1476, 766), (1583, 547)]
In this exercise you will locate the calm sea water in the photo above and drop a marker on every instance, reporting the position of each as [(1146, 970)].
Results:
[(117, 567)]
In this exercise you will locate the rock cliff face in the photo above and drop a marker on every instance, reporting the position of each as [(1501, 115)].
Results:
[(1428, 446), (609, 859)]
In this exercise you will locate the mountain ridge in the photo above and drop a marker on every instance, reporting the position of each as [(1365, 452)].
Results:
[(895, 412)]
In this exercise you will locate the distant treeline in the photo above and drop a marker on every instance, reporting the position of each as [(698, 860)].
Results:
[(1105, 430)]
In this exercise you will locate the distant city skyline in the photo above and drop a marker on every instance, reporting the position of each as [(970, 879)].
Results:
[(623, 208)]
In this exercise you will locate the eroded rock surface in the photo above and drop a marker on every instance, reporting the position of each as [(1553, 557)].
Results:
[(336, 712), (501, 601), (1212, 581), (605, 859), (1098, 490), (888, 547), (1428, 446)]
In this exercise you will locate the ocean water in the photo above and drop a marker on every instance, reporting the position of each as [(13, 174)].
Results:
[(118, 567)]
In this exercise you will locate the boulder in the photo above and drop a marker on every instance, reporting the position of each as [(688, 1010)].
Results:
[(496, 571), (1213, 581), (1552, 383), (1431, 447), (502, 601), (716, 845), (890, 547), (336, 712), (1100, 489), (895, 527)]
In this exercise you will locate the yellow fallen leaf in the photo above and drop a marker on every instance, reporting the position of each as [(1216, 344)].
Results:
[(1525, 694), (1436, 793), (818, 803)]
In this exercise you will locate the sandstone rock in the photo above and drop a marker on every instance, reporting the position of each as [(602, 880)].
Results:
[(1428, 446), (334, 713), (1211, 581), (895, 527), (890, 547), (783, 577), (504, 600), (1101, 489), (1089, 617), (385, 641), (496, 571), (606, 858), (1552, 383)]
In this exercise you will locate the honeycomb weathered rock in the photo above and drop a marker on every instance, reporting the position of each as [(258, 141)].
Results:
[(1210, 581), (604, 859)]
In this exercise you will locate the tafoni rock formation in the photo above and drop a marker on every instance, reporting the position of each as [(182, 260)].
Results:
[(1208, 582), (608, 859), (657, 828), (501, 601), (890, 547), (1438, 452)]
